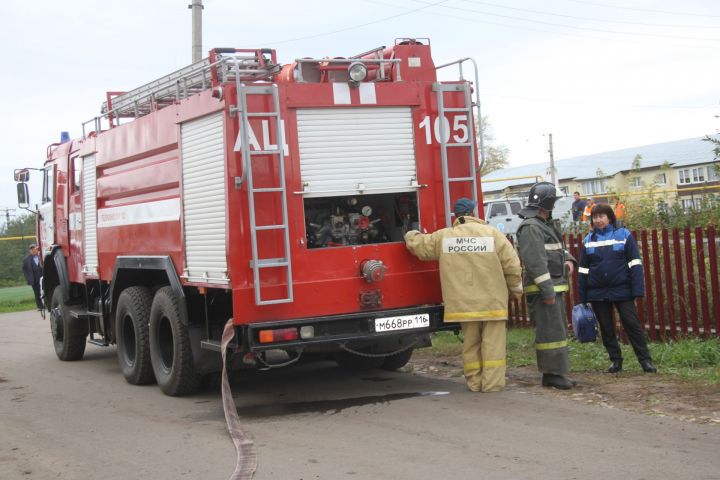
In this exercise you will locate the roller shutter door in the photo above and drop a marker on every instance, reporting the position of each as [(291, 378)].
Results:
[(90, 215), (348, 151), (204, 199)]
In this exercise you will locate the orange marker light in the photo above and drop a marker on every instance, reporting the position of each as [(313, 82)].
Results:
[(279, 335)]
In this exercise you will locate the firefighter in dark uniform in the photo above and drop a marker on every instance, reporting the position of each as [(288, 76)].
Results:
[(547, 266)]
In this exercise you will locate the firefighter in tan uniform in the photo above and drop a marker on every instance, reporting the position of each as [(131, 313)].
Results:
[(547, 266), (478, 269)]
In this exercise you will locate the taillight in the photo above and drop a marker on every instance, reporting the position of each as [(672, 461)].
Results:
[(278, 335)]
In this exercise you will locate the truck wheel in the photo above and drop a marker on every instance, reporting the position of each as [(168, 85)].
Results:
[(170, 351), (397, 361), (352, 361), (68, 333), (132, 334)]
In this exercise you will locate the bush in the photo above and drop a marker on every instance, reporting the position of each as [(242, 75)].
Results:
[(12, 252), (654, 212)]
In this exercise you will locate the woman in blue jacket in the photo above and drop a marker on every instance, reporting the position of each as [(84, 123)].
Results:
[(610, 273)]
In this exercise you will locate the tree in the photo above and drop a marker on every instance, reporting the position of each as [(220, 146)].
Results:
[(496, 156), (13, 251), (24, 225), (636, 163), (716, 142), (716, 151)]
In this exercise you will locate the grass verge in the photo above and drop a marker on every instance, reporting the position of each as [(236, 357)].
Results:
[(690, 358), (16, 299)]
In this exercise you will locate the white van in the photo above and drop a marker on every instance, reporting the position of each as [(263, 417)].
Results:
[(503, 213)]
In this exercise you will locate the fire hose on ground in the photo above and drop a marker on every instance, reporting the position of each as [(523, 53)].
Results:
[(246, 463)]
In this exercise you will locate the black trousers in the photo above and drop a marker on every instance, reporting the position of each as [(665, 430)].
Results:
[(36, 291), (631, 324)]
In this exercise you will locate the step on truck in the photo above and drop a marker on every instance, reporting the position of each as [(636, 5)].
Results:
[(274, 197)]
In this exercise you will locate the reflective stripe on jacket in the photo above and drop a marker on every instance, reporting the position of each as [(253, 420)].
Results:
[(610, 266), (543, 255), (478, 268)]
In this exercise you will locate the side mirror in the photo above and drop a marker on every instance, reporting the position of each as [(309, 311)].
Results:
[(23, 195), (22, 175)]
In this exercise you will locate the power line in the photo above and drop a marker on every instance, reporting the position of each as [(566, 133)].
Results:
[(526, 28), (542, 22), (704, 15), (354, 27), (7, 214), (599, 102), (540, 12)]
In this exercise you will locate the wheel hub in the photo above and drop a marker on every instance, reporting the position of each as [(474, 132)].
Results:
[(56, 323)]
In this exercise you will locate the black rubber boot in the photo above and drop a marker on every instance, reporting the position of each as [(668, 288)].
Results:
[(557, 381), (615, 367), (648, 366)]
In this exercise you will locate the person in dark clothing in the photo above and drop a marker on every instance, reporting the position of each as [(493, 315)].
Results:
[(547, 266), (610, 274), (578, 206), (32, 269)]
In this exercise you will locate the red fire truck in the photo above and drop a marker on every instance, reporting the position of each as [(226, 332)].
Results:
[(273, 196)]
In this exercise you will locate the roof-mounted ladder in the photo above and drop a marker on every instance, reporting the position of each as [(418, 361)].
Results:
[(222, 65)]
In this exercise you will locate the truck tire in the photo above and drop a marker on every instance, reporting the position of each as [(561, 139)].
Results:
[(68, 334), (132, 333), (397, 361), (170, 350)]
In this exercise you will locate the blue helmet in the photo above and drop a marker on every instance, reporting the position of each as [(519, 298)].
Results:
[(464, 206)]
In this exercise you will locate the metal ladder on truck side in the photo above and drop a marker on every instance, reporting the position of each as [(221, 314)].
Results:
[(441, 89), (257, 263), (464, 86)]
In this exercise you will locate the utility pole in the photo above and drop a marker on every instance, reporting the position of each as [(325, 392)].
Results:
[(553, 171), (7, 215), (197, 8)]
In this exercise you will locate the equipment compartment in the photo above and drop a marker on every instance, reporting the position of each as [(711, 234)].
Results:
[(359, 219)]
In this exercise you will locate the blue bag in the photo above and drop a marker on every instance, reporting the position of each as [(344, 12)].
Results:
[(584, 323)]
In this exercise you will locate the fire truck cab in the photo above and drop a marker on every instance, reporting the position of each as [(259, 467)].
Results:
[(273, 197)]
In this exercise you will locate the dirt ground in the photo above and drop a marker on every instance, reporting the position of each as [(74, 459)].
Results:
[(657, 395)]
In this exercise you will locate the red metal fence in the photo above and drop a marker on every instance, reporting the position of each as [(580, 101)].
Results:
[(682, 296)]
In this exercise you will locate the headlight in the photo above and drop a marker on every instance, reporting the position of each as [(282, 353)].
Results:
[(357, 71)]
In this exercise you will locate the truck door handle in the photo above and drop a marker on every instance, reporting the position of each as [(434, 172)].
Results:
[(508, 219)]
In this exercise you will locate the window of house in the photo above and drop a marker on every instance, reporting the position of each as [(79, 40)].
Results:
[(691, 204), (635, 182), (660, 179), (684, 176), (694, 175), (565, 191), (713, 173), (698, 174), (592, 187)]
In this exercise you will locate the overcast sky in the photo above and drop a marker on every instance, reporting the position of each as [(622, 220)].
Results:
[(597, 74)]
